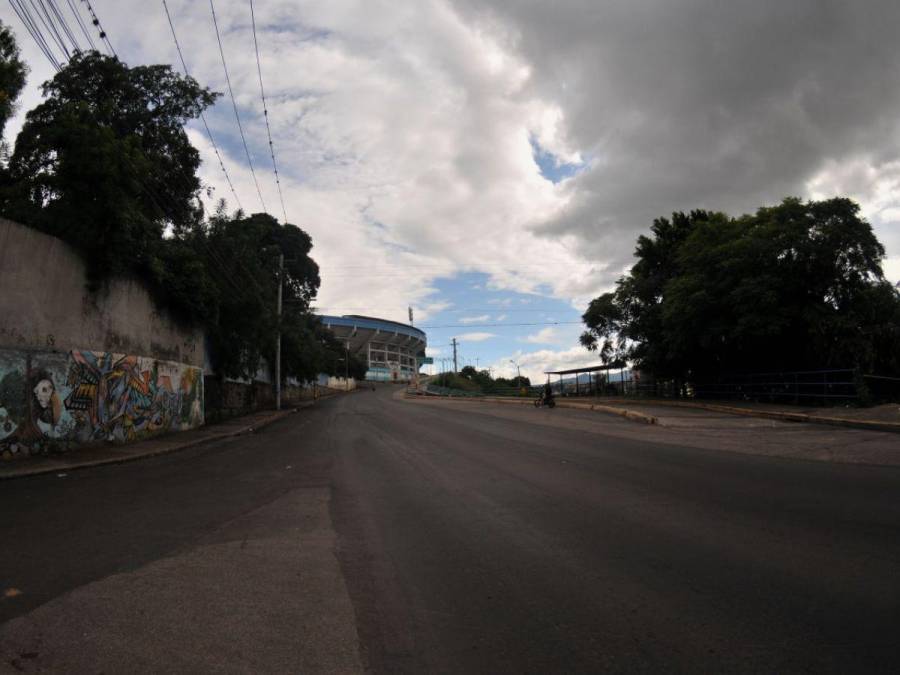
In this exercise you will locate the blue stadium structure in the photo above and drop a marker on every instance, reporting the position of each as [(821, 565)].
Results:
[(392, 350)]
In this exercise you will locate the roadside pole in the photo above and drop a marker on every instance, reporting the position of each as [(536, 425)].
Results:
[(278, 337)]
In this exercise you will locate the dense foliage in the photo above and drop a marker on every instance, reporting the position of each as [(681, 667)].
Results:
[(12, 75), (105, 164), (792, 287), (224, 274), (471, 379)]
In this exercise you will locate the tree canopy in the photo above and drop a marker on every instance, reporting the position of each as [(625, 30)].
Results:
[(792, 287), (105, 163), (481, 380), (225, 274), (12, 75)]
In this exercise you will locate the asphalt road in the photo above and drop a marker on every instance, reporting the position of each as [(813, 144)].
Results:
[(371, 532)]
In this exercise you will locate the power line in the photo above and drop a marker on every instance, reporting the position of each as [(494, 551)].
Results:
[(31, 25), (64, 25), (62, 31), (24, 14), (41, 10), (80, 22), (234, 105), (202, 115), (504, 325), (454, 310), (262, 94), (545, 262), (184, 176), (96, 21)]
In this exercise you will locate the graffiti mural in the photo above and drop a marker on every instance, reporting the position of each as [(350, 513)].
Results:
[(50, 402)]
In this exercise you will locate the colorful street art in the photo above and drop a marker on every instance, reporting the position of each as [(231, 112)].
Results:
[(50, 402)]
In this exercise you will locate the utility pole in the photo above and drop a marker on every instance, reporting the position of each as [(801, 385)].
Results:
[(518, 372), (454, 343), (278, 339)]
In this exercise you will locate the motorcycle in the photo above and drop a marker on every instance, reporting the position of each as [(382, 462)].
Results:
[(544, 401)]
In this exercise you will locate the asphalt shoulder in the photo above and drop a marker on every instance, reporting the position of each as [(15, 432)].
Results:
[(113, 453)]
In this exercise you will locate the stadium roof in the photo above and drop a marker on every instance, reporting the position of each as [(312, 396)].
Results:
[(371, 323)]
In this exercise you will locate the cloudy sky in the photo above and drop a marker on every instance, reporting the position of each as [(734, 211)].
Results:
[(490, 163)]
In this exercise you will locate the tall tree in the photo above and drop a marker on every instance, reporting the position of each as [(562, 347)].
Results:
[(794, 286), (12, 75), (105, 163), (225, 274)]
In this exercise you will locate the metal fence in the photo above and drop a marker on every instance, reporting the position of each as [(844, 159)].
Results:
[(798, 387), (802, 387), (881, 389)]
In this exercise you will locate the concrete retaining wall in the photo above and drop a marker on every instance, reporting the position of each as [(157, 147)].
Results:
[(52, 401), (44, 304), (226, 399)]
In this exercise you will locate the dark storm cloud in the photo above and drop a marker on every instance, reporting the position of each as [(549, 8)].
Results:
[(725, 105)]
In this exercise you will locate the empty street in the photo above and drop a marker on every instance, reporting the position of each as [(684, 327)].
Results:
[(373, 532)]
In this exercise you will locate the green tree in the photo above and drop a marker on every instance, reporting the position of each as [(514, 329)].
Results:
[(225, 275), (791, 287), (105, 163), (12, 75)]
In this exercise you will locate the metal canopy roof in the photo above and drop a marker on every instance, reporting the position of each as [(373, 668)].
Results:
[(588, 369)]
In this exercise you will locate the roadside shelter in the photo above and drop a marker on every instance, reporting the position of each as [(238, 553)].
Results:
[(590, 387)]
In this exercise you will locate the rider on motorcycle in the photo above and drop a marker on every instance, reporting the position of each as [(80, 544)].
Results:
[(547, 395)]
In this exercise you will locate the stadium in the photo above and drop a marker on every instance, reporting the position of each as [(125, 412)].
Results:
[(392, 350)]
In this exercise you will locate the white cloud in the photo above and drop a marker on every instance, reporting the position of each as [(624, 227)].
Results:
[(875, 185), (500, 317), (892, 269), (429, 309), (534, 364), (475, 337), (475, 319), (545, 336), (403, 130), (400, 131)]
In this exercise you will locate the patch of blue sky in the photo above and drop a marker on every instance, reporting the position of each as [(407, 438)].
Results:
[(491, 324), (551, 167)]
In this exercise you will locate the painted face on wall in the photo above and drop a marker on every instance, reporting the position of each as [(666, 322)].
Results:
[(43, 391)]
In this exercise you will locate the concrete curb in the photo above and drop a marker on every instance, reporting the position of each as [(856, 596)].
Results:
[(26, 472), (784, 415), (632, 415)]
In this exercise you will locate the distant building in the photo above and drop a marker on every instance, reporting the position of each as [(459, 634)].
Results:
[(392, 350)]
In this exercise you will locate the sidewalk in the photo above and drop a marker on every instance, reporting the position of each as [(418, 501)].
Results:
[(98, 455), (653, 411), (877, 418)]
